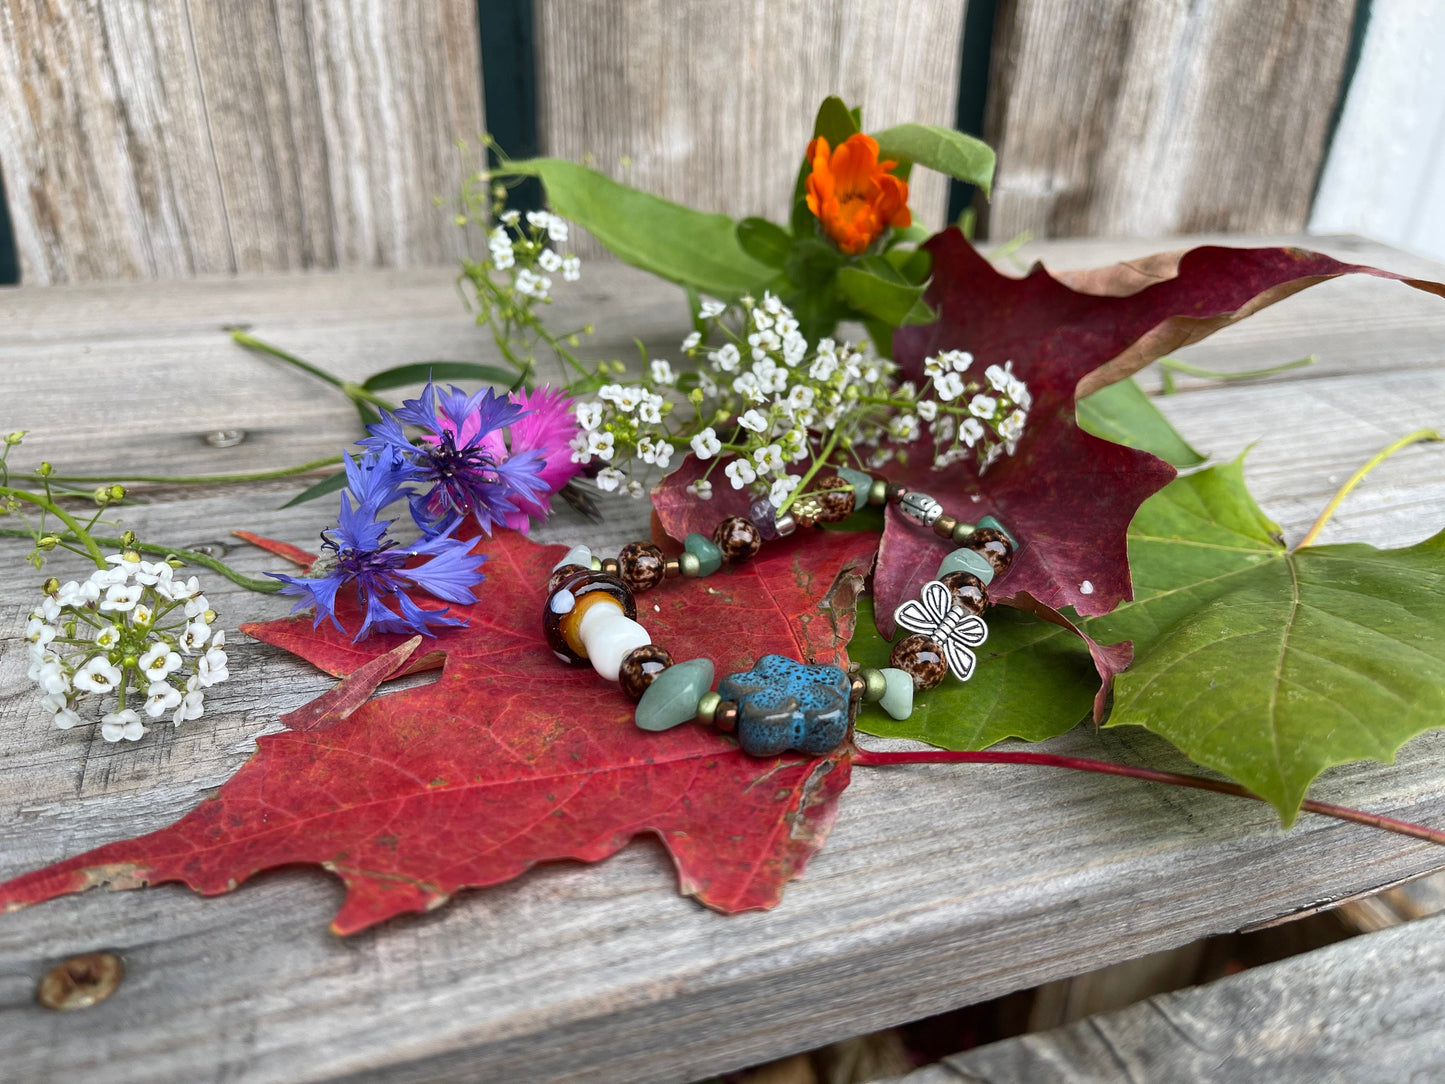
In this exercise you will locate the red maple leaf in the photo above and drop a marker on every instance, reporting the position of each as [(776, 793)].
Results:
[(511, 757), (1067, 495)]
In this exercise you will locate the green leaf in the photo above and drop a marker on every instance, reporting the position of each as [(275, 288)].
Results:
[(1268, 665), (889, 298), (1122, 413), (835, 122), (665, 238), (330, 484), (422, 371), (959, 156), (1034, 681), (812, 263), (765, 241)]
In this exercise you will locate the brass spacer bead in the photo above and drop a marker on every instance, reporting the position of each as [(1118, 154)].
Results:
[(689, 565), (943, 526), (875, 684), (725, 716), (610, 566), (671, 567), (878, 492), (597, 564), (707, 706), (961, 532), (858, 687)]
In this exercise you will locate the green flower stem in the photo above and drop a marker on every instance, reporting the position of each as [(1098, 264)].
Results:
[(355, 392), (1355, 479), (204, 479), (811, 472), (265, 587), (91, 548), (870, 758)]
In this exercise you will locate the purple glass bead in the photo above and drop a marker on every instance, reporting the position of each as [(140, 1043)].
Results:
[(764, 517)]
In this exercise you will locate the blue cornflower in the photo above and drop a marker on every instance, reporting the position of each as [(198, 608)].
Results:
[(358, 552), (459, 463)]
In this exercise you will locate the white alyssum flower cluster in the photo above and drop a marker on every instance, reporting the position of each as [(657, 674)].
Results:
[(769, 409), (965, 418), (523, 252), (135, 636)]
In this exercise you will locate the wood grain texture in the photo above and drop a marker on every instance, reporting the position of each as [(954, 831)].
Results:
[(937, 888), (1364, 1009), (1123, 118), (712, 104), (173, 138)]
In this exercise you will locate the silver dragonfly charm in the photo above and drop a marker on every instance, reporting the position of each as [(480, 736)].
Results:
[(934, 614)]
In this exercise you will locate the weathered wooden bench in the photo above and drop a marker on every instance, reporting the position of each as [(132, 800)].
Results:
[(938, 887), (1364, 1009)]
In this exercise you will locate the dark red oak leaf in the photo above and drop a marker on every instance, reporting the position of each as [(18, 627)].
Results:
[(511, 757), (1069, 496)]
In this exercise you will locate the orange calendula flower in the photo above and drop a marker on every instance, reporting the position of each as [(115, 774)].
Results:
[(853, 194)]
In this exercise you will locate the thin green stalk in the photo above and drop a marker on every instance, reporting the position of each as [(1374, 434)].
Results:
[(811, 472), (1355, 479), (354, 392), (204, 479), (266, 587), (91, 548), (1248, 374)]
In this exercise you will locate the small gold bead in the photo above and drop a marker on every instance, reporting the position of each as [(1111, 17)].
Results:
[(859, 687), (707, 706), (875, 684), (689, 565), (943, 526), (878, 492), (895, 492), (610, 566), (671, 567), (961, 532)]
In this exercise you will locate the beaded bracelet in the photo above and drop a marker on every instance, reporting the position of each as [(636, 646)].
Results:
[(590, 618)]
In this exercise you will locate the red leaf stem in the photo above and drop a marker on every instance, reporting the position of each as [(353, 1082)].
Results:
[(872, 758)]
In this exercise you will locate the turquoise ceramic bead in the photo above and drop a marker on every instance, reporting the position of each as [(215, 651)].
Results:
[(860, 482), (966, 560), (709, 557), (989, 521), (784, 704), (674, 695), (898, 698)]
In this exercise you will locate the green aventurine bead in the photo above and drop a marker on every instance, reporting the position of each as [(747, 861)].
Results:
[(898, 698), (860, 482), (709, 557), (989, 521), (674, 695), (966, 560)]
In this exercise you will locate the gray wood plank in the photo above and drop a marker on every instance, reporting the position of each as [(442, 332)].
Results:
[(1136, 118), (936, 889), (712, 105), (143, 141), (1364, 1009)]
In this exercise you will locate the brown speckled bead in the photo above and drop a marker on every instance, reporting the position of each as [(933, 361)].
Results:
[(922, 658), (642, 565), (836, 499), (587, 588), (967, 590), (737, 538), (562, 575), (725, 717), (994, 545), (640, 666)]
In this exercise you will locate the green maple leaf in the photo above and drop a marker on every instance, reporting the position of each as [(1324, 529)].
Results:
[(1034, 681), (1266, 664)]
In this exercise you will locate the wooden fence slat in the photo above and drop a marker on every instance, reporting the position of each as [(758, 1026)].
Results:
[(1124, 118), (712, 104), (167, 139)]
